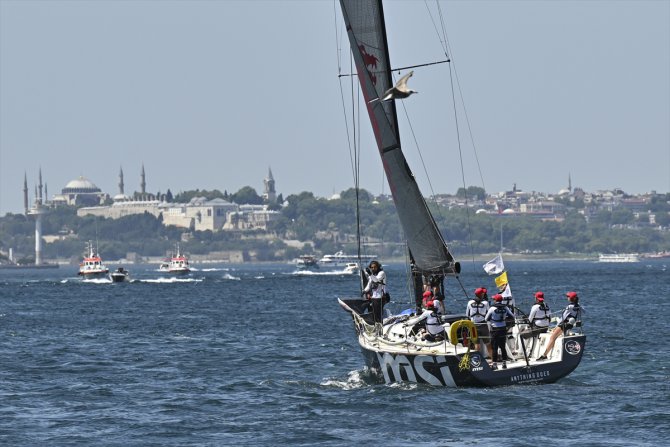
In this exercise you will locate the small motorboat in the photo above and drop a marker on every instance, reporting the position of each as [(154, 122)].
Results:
[(120, 275), (351, 268)]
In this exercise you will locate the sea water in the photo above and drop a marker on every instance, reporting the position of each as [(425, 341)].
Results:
[(260, 355)]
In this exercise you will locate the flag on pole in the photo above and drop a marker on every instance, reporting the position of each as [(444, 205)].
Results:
[(495, 265), (501, 281), (507, 292)]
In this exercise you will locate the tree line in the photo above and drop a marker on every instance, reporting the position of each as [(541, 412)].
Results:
[(329, 225)]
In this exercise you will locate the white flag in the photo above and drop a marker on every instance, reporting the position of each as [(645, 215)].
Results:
[(507, 292), (495, 265)]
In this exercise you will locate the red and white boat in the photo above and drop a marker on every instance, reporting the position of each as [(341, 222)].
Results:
[(177, 264), (92, 266)]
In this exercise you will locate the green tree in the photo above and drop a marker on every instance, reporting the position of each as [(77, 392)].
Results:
[(247, 195)]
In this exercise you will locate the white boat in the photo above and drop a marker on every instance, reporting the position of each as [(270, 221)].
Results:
[(351, 268), (177, 264), (619, 257), (391, 348), (92, 266), (340, 259)]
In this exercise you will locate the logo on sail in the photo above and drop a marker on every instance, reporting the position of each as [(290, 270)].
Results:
[(370, 61)]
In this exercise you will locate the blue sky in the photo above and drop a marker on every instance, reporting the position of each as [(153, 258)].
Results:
[(209, 94)]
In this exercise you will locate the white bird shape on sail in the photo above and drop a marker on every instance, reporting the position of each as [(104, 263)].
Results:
[(399, 90)]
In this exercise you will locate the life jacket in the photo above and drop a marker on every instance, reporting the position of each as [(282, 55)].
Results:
[(572, 311), (477, 316), (433, 325), (498, 315), (544, 309)]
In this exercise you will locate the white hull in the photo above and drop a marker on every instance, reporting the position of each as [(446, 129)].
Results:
[(619, 258), (340, 259)]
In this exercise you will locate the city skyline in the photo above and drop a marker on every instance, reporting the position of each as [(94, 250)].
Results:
[(588, 96)]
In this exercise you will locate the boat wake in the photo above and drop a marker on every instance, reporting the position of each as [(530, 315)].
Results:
[(358, 378), (229, 276), (97, 281), (170, 280), (311, 273)]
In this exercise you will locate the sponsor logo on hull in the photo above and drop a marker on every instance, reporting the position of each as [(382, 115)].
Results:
[(573, 347), (433, 370)]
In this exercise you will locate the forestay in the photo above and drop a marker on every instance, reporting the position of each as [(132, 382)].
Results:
[(364, 20)]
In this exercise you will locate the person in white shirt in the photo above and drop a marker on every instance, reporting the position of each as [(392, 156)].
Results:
[(497, 316), (434, 329), (538, 321), (476, 310), (570, 316), (375, 288)]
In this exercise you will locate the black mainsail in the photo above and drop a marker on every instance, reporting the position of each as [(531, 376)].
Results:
[(364, 21)]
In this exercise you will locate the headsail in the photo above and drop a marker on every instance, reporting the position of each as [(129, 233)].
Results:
[(364, 20)]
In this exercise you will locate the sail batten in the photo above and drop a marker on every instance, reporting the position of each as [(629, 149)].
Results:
[(364, 20)]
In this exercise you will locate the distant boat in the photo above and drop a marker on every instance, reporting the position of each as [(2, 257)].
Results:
[(340, 259), (306, 262), (177, 264), (351, 268), (92, 265), (658, 255), (120, 275), (619, 257)]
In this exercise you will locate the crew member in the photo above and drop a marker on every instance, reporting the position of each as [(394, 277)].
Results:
[(496, 316), (375, 288), (571, 315), (434, 329), (476, 311)]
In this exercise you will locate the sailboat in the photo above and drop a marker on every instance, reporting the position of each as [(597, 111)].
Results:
[(391, 348)]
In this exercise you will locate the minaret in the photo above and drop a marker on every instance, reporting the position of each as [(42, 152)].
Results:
[(25, 192), (37, 210), (270, 195), (143, 181), (46, 194), (569, 183), (39, 197), (121, 180)]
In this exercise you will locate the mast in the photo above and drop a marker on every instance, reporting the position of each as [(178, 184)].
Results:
[(366, 29)]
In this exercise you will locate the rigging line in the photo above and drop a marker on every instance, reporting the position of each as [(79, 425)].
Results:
[(344, 107), (400, 68), (439, 36), (416, 143), (447, 50), (425, 170), (356, 156), (460, 154)]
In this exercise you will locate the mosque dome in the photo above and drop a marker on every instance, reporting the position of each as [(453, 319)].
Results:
[(81, 185)]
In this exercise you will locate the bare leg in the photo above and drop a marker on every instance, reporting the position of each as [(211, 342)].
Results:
[(554, 335)]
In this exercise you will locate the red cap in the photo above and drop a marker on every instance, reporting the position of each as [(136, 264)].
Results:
[(571, 295), (480, 291), (427, 293), (539, 296), (497, 297)]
